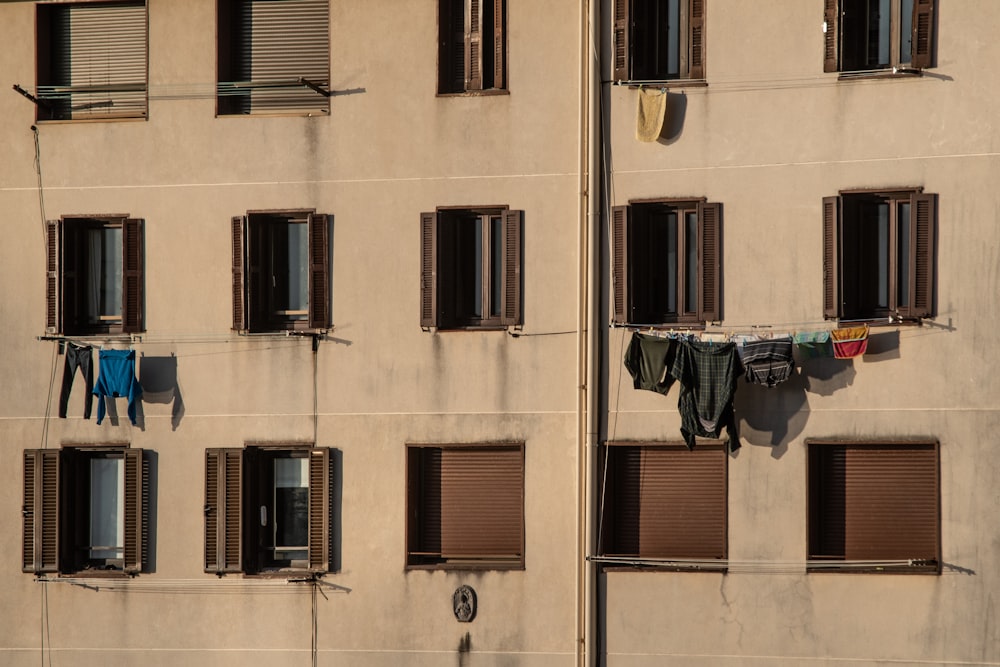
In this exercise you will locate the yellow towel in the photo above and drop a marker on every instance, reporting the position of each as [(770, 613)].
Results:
[(652, 111)]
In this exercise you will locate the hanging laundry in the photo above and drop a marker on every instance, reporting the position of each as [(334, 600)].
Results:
[(708, 373), (77, 356), (849, 342), (117, 379), (813, 344), (648, 360), (741, 340), (768, 362), (650, 114)]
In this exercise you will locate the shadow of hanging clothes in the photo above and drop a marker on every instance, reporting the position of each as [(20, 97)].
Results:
[(160, 385)]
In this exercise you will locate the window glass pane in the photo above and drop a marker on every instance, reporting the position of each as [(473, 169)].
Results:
[(104, 274), (297, 293), (291, 508), (496, 265), (477, 275), (107, 507), (905, 32), (671, 45), (903, 255), (879, 13), (883, 255), (691, 262)]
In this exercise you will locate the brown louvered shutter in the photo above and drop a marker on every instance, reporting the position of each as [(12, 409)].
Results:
[(319, 510), (831, 241), (622, 26), (709, 261), (668, 502), (136, 525), (924, 225), (474, 45), (451, 55), (923, 33), (619, 261), (52, 254), (223, 510), (428, 270), (510, 309), (499, 42), (40, 547), (132, 275), (696, 25), (831, 35), (239, 227), (319, 271)]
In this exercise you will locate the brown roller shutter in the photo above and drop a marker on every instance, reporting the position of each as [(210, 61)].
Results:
[(831, 241), (709, 261), (696, 25), (319, 271), (223, 511), (619, 261), (499, 52), (428, 270), (40, 511), (924, 224), (319, 510), (511, 307), (132, 275), (136, 525), (831, 35), (474, 45), (52, 253), (622, 26), (923, 33), (239, 227)]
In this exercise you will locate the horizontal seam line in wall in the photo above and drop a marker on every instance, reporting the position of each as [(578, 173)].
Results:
[(271, 650), (270, 415), (806, 409), (799, 658)]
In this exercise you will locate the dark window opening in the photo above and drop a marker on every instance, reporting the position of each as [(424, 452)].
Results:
[(872, 35), (472, 46), (659, 40)]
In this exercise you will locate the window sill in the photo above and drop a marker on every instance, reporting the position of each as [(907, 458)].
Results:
[(304, 113), (94, 337), (476, 93), (887, 73), (468, 566), (847, 567), (80, 121), (666, 83)]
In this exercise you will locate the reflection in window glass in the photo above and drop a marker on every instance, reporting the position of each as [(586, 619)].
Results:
[(291, 508), (107, 508), (298, 267), (104, 273)]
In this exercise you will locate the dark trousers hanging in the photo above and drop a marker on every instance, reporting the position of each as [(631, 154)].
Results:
[(77, 356)]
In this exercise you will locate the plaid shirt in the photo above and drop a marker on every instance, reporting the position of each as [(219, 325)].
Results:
[(708, 373)]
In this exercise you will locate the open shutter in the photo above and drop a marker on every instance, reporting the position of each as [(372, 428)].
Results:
[(136, 523), (474, 45), (622, 25), (923, 33), (709, 261), (239, 224), (428, 270), (924, 224), (499, 40), (53, 229), (319, 271), (451, 55), (619, 261), (831, 241), (319, 510), (831, 34), (510, 309), (132, 275), (696, 25), (40, 511), (223, 510)]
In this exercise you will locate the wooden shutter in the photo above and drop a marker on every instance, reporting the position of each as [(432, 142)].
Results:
[(319, 510), (622, 26), (40, 511), (53, 247), (428, 270), (132, 275), (239, 227), (696, 27), (474, 45), (668, 502), (831, 35), (510, 309), (499, 45), (223, 510), (451, 54), (136, 517), (709, 261), (619, 262), (72, 280), (923, 222), (831, 260), (319, 271), (923, 33)]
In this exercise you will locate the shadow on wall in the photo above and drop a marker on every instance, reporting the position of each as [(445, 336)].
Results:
[(673, 124), (158, 377)]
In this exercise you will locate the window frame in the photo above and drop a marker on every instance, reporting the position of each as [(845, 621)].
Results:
[(923, 40), (55, 511), (439, 289), (626, 298), (888, 504), (476, 482), (464, 65), (692, 46), (66, 282)]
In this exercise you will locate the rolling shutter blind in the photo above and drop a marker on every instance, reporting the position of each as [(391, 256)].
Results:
[(223, 511), (319, 510), (239, 227), (428, 270), (132, 275), (619, 262), (136, 517), (621, 42), (53, 246), (511, 306), (831, 241), (709, 261), (319, 271), (831, 35), (696, 26), (924, 224), (923, 33), (40, 511)]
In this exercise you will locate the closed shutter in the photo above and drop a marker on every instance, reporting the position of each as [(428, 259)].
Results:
[(319, 271), (696, 25), (831, 241), (622, 25), (923, 33), (499, 44), (451, 54), (474, 45), (924, 224), (132, 275), (831, 35), (511, 306), (53, 247), (709, 261), (668, 502), (619, 261), (239, 228), (136, 522), (223, 510), (319, 510), (40, 511), (428, 270)]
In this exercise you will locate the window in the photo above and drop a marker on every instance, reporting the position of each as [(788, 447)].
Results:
[(274, 56), (471, 268), (91, 60), (872, 35), (878, 255), (666, 257), (664, 502), (465, 506), (94, 275), (85, 510), (268, 509), (281, 271), (659, 40), (472, 46), (874, 506)]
